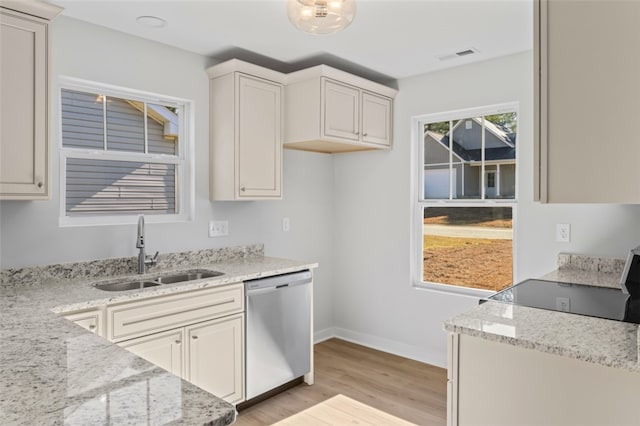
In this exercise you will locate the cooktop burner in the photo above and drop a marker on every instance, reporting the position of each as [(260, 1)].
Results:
[(602, 302)]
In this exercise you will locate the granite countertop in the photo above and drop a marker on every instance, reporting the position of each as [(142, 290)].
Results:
[(601, 341), (588, 270), (55, 372)]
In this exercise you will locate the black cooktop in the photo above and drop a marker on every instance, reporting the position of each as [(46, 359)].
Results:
[(601, 302)]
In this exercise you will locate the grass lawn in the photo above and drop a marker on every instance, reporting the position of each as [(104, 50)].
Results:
[(470, 262)]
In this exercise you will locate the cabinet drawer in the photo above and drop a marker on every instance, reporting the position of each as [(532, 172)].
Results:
[(134, 319)]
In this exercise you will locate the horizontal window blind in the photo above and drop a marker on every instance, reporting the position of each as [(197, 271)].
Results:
[(119, 187)]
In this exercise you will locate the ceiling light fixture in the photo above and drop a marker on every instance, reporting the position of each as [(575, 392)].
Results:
[(321, 16), (151, 21)]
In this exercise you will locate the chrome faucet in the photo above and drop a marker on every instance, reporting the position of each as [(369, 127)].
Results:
[(143, 259)]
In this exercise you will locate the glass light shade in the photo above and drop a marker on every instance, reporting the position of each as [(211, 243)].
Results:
[(321, 16)]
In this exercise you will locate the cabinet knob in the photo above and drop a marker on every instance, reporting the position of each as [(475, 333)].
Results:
[(40, 184), (178, 342), (243, 189), (194, 337), (92, 327), (356, 133), (364, 134)]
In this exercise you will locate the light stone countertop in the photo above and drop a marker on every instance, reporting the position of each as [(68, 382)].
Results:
[(588, 270), (55, 372), (601, 341)]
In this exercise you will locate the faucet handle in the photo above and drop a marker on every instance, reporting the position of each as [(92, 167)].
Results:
[(152, 260)]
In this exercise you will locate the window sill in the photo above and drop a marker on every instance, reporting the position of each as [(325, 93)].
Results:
[(67, 221), (452, 289)]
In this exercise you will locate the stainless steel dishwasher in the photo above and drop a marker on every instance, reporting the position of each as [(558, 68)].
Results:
[(278, 335)]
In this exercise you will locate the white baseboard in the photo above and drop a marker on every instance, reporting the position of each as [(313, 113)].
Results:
[(382, 344), (322, 335)]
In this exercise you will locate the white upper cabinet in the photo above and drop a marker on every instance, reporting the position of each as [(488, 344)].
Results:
[(24, 99), (332, 111), (587, 94), (376, 119), (246, 112), (341, 111)]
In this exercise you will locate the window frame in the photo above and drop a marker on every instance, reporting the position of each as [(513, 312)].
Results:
[(418, 203), (184, 161)]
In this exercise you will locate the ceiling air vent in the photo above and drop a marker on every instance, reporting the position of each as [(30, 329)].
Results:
[(466, 52)]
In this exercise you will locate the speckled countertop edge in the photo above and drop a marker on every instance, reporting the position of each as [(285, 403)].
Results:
[(596, 340), (55, 372)]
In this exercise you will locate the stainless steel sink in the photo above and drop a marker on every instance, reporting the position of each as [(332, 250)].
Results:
[(187, 276), (179, 277), (126, 285)]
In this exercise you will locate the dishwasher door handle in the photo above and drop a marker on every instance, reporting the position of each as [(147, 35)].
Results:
[(252, 288), (265, 290)]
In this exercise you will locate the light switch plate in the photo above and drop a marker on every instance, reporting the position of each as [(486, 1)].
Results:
[(218, 228)]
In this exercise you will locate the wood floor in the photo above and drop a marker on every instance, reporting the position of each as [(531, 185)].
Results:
[(404, 388)]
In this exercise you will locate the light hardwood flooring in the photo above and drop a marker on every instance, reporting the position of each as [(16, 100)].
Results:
[(341, 410), (410, 390)]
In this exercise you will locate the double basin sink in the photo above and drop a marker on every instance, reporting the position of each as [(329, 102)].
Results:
[(190, 275)]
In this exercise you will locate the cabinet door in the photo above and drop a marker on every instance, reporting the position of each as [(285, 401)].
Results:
[(216, 357), (90, 320), (259, 137), (162, 349), (588, 95), (341, 111), (376, 119), (23, 107)]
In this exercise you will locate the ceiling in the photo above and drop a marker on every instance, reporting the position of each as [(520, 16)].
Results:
[(388, 40)]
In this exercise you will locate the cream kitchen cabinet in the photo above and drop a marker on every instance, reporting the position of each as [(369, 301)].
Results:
[(24, 99), (92, 320), (215, 354), (330, 111), (587, 99), (246, 110), (163, 349), (498, 384), (197, 335)]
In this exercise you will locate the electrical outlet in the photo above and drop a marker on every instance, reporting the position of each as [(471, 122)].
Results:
[(218, 228), (563, 304), (286, 224), (563, 232)]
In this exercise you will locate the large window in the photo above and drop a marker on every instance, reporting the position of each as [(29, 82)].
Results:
[(123, 153), (466, 198)]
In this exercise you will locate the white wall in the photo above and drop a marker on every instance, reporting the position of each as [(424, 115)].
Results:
[(30, 231), (350, 212), (375, 302)]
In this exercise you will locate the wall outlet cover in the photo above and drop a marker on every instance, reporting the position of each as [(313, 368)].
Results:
[(218, 228), (563, 232)]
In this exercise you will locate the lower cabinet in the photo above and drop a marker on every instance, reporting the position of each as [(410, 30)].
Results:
[(209, 354), (166, 349), (498, 384), (91, 320), (214, 357), (196, 335)]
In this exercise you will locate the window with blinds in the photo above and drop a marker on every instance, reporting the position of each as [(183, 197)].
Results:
[(121, 155)]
